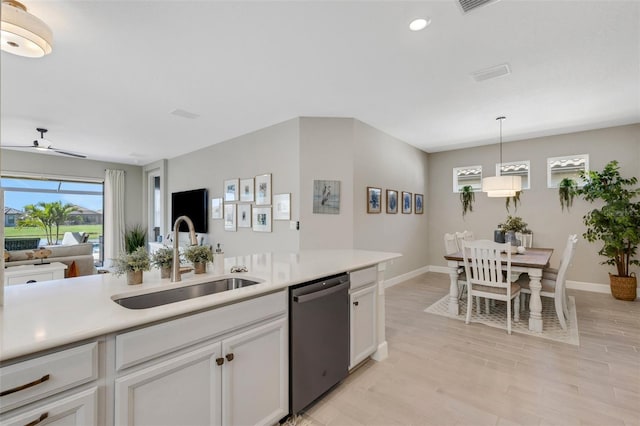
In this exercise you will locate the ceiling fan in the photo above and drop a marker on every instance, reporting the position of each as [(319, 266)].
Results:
[(43, 144)]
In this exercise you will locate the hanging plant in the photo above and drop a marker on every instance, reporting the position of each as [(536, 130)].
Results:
[(566, 192), (515, 199), (467, 197)]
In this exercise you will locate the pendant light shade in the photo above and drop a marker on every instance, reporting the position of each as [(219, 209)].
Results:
[(22, 33), (501, 186)]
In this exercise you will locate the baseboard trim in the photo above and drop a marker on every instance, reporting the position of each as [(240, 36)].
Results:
[(400, 278), (573, 285)]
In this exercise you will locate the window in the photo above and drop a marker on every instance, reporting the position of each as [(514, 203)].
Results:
[(515, 168), (84, 201), (468, 175), (569, 166)]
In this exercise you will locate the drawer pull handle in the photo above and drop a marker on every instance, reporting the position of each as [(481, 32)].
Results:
[(229, 357), (31, 282), (356, 303), (25, 386), (219, 361), (38, 420)]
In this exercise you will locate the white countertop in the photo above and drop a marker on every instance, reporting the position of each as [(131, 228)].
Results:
[(55, 313)]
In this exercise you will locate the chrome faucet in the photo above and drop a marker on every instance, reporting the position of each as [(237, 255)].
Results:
[(175, 271)]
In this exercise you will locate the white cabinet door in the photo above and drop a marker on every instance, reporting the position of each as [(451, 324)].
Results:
[(255, 384), (79, 409), (184, 390), (363, 324)]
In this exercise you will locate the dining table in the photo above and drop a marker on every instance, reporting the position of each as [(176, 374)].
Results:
[(532, 261)]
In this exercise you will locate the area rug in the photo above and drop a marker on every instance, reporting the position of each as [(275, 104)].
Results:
[(498, 319)]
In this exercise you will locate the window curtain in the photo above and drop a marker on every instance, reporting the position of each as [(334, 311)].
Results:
[(113, 214)]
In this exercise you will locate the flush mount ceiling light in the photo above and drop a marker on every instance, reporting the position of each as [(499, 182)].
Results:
[(22, 33), (501, 186), (419, 24)]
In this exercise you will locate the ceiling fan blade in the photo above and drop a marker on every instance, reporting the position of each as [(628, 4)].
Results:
[(17, 146), (72, 154)]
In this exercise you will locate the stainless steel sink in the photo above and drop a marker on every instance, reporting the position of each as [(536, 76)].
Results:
[(164, 297)]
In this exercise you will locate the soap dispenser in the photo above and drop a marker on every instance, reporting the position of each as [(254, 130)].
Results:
[(218, 261)]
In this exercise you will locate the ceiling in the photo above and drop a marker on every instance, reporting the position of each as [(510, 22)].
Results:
[(119, 68)]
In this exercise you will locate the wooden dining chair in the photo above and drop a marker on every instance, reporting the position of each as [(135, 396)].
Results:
[(464, 236), (483, 267), (554, 283), (451, 247)]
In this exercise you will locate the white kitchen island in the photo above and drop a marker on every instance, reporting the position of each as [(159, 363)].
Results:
[(117, 357)]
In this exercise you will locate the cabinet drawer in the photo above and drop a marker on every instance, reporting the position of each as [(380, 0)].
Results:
[(146, 343), (42, 276), (363, 277), (30, 380)]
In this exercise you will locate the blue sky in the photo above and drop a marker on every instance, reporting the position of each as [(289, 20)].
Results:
[(16, 199)]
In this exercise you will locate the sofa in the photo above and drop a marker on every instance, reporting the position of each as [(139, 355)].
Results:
[(81, 254)]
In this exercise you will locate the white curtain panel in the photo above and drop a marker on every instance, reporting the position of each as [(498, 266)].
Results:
[(113, 214)]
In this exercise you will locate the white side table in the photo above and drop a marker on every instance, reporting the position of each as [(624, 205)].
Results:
[(33, 273)]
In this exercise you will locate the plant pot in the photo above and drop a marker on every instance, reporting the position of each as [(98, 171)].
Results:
[(134, 277), (165, 272), (199, 267), (624, 288)]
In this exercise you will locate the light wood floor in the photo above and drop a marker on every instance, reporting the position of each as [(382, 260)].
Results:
[(443, 372)]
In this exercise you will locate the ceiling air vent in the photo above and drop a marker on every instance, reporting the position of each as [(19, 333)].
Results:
[(493, 72), (469, 5)]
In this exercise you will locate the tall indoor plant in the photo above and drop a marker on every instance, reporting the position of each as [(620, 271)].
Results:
[(616, 224)]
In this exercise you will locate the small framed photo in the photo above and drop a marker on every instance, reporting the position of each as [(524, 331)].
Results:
[(392, 201), (374, 200), (263, 190), (282, 207), (418, 204), (216, 208), (262, 219), (230, 217), (244, 215), (246, 190), (406, 202), (231, 189)]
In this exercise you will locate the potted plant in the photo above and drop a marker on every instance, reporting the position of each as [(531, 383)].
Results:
[(515, 199), (199, 256), (132, 264), (616, 224), (163, 259), (134, 237), (566, 192), (467, 197), (512, 225)]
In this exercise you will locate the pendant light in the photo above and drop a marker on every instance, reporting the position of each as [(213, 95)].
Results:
[(22, 33), (501, 186)]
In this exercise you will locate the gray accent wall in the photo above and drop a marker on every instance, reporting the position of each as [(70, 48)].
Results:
[(540, 207)]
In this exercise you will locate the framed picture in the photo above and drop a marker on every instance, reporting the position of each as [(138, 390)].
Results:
[(216, 208), (392, 201), (263, 190), (231, 189), (244, 215), (246, 190), (261, 219), (406, 202), (282, 207), (326, 196), (418, 204), (230, 217), (374, 200)]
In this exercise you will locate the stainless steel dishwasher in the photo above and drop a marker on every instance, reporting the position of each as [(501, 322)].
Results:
[(319, 338)]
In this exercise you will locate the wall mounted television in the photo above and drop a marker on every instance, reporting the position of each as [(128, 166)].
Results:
[(193, 204)]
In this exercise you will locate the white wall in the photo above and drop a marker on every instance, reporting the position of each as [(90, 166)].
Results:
[(270, 150), (27, 162), (540, 206)]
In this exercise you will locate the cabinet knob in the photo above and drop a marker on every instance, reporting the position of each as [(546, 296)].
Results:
[(356, 303), (230, 357), (219, 361)]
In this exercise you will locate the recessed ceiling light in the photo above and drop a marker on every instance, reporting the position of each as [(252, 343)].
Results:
[(419, 24)]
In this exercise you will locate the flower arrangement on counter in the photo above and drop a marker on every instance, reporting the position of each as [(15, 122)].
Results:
[(135, 262)]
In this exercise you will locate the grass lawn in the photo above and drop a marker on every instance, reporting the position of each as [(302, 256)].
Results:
[(94, 231)]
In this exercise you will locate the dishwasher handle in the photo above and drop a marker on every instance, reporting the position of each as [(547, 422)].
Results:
[(317, 294)]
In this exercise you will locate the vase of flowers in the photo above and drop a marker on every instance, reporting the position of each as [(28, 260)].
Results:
[(199, 256), (132, 264), (163, 259)]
